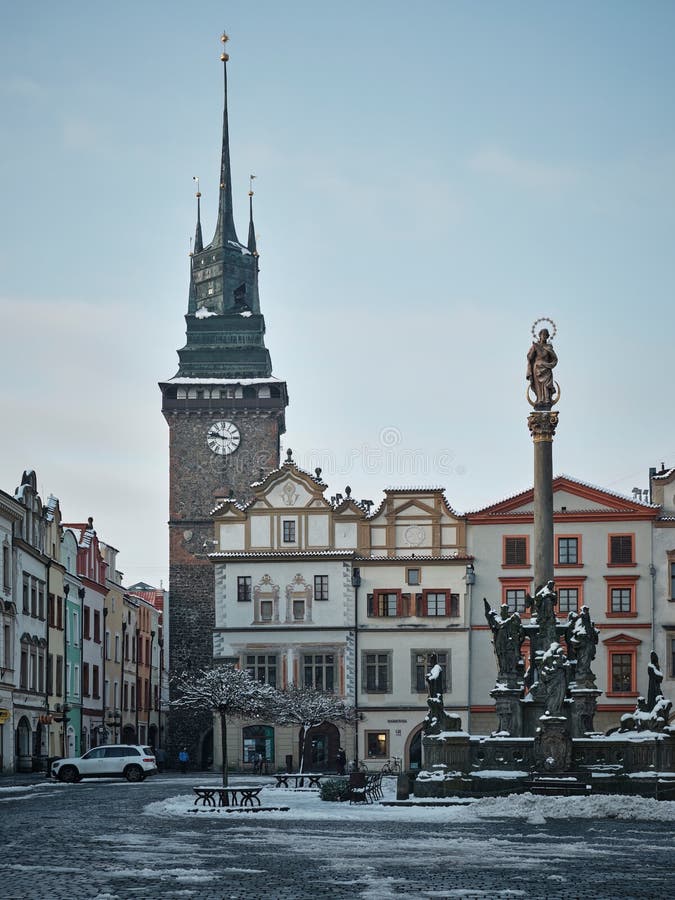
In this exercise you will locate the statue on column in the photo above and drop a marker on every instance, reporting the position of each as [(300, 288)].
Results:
[(544, 603), (553, 678), (655, 679), (541, 360), (508, 636), (582, 639)]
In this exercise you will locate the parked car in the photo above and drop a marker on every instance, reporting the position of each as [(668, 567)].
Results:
[(124, 760)]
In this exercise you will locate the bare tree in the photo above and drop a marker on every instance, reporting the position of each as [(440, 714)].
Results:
[(309, 708), (229, 692)]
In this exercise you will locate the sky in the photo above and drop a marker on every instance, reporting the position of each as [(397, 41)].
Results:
[(430, 180)]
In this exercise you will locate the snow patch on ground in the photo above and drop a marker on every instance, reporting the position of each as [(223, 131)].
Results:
[(529, 808)]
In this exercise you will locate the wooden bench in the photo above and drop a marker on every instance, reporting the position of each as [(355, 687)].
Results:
[(310, 780), (241, 795)]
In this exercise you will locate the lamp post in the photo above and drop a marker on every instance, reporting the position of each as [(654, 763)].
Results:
[(152, 638), (138, 693), (122, 658)]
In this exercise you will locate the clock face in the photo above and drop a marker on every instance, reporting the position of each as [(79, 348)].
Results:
[(223, 438)]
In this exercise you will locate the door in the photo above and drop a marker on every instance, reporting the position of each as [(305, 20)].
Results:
[(93, 764)]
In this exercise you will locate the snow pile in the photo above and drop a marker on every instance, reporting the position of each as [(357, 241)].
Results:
[(306, 805), (204, 313)]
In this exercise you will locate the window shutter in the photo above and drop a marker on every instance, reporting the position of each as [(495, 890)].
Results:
[(371, 605), (403, 605), (390, 678), (452, 601), (419, 605)]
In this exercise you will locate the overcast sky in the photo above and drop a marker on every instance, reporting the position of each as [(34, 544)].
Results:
[(431, 178)]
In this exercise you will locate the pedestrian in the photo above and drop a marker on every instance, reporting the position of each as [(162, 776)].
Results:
[(340, 761), (183, 759), (160, 757)]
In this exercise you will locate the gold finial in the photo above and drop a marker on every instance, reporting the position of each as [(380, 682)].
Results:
[(224, 39), (250, 185)]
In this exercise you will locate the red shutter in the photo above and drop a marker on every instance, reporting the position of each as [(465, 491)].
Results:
[(404, 605), (452, 601), (419, 604), (372, 610)]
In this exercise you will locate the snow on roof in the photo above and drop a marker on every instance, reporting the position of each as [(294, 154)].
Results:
[(281, 554), (663, 474), (570, 478), (435, 488), (185, 379)]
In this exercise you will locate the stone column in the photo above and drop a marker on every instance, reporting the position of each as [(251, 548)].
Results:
[(542, 424)]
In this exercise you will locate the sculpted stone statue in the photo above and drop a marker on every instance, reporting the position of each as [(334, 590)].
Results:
[(508, 636), (544, 603), (541, 360), (553, 678), (434, 678), (655, 679), (582, 637)]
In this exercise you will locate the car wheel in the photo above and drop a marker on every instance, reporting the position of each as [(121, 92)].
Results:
[(133, 773), (69, 774)]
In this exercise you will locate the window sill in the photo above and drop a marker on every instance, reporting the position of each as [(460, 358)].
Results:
[(621, 615), (569, 565), (626, 565), (516, 566), (622, 694)]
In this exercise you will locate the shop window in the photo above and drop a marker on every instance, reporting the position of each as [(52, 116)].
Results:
[(258, 739), (377, 744)]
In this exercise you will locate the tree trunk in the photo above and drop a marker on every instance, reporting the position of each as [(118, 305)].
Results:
[(303, 740), (223, 744)]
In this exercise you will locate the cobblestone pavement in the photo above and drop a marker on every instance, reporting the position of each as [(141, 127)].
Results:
[(92, 840)]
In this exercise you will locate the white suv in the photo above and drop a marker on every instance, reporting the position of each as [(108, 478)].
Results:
[(132, 762)]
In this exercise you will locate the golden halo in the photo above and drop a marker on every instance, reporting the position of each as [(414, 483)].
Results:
[(544, 319)]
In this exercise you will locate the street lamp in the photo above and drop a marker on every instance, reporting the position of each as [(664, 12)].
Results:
[(152, 638)]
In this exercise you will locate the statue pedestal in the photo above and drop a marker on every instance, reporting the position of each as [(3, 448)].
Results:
[(532, 709), (582, 710), (552, 746), (508, 708), (447, 752)]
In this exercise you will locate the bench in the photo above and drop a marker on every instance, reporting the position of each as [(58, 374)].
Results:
[(241, 795), (364, 788), (311, 780)]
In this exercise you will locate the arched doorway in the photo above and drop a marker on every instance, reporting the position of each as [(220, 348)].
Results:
[(128, 734), (321, 747), (24, 759), (415, 750), (206, 751)]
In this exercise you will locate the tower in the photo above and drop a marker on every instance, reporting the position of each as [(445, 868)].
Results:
[(226, 414)]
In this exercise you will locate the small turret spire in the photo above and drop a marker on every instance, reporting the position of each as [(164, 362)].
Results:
[(199, 243), (225, 230), (251, 230)]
